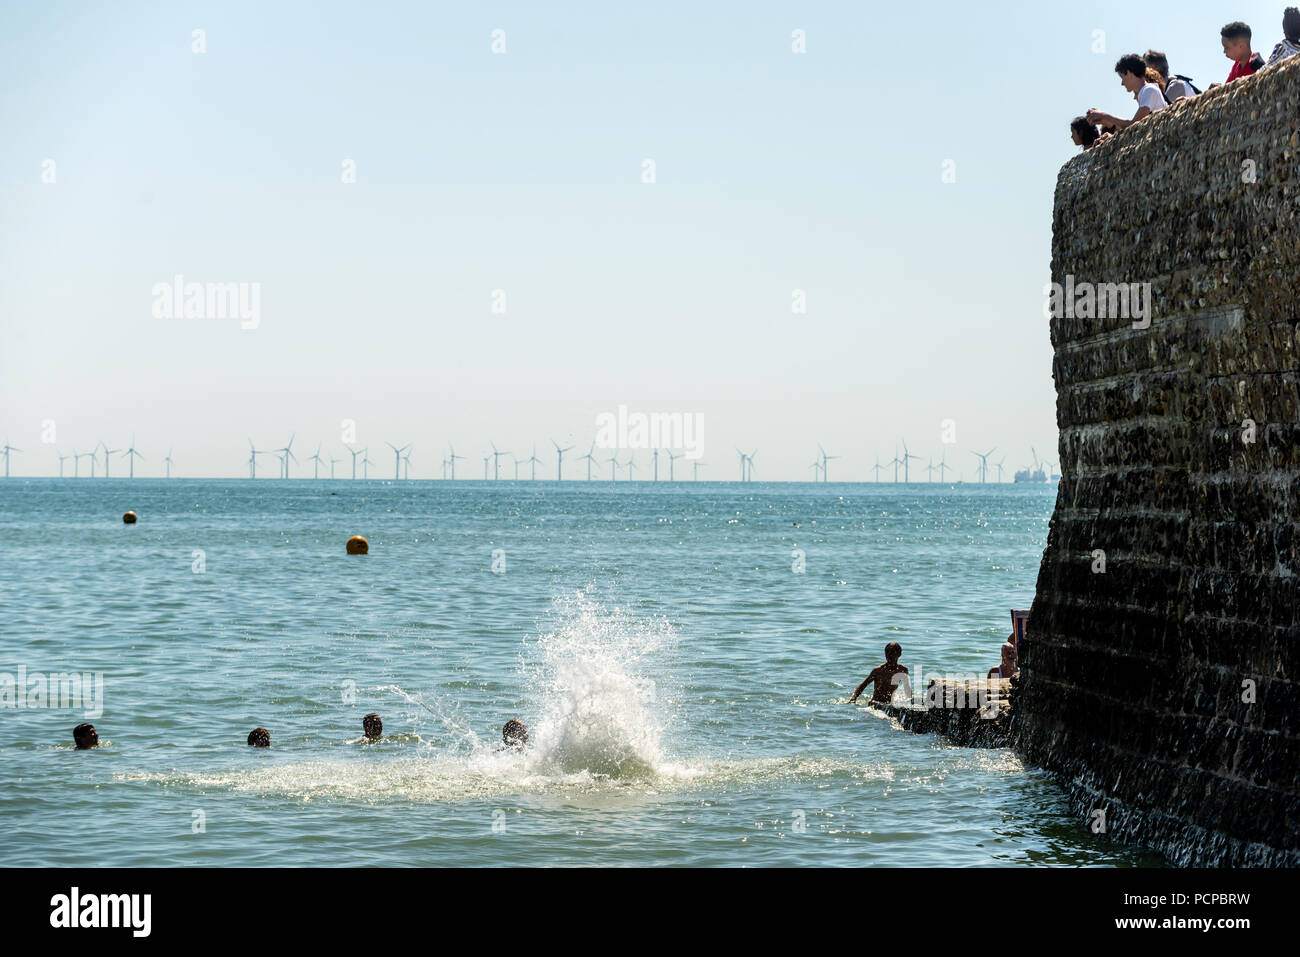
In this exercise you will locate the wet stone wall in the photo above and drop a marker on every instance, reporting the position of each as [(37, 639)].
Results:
[(1159, 677)]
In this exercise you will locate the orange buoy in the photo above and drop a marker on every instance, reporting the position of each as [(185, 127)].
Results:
[(129, 518), (358, 546)]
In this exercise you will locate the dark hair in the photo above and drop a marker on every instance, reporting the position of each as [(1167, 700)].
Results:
[(1087, 132), (86, 733), (514, 732), (1291, 24), (1154, 58), (1235, 30), (893, 650), (1132, 63), (259, 738), (373, 725)]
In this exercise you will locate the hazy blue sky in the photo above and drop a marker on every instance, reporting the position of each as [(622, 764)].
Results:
[(522, 172)]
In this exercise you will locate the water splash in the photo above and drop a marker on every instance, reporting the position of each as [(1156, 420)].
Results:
[(601, 702)]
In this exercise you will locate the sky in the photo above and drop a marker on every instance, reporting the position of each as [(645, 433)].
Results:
[(499, 269)]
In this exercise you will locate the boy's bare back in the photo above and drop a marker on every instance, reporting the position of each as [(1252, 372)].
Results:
[(883, 676)]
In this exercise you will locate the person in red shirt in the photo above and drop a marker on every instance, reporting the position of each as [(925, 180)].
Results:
[(1236, 47)]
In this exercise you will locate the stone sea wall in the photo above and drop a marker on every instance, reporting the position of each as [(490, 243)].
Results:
[(1160, 671)]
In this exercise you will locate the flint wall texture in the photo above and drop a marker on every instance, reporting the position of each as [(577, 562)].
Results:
[(1134, 678)]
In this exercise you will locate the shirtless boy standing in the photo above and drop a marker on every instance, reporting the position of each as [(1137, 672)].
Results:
[(883, 676)]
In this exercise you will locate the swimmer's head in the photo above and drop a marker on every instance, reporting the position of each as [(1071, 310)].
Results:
[(373, 726), (893, 651), (515, 733), (86, 736), (259, 738)]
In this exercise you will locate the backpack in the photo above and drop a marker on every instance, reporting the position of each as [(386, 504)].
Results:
[(1187, 80)]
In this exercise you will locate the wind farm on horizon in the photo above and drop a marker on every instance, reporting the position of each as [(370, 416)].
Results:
[(660, 465)]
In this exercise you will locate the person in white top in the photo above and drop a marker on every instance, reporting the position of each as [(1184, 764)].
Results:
[(1132, 70)]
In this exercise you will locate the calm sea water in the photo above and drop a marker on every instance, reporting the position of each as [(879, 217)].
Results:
[(685, 687)]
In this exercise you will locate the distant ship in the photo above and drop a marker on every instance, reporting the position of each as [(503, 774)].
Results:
[(1036, 473)]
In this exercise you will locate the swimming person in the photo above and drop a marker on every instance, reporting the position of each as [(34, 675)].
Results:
[(1008, 666), (86, 737), (884, 676), (259, 738), (373, 727), (515, 733)]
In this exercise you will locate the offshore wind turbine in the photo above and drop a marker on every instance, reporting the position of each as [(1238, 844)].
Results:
[(287, 454), (365, 463), (750, 459), (90, 455), (7, 451), (332, 461), (907, 456), (695, 477), (516, 461), (397, 464), (999, 465), (533, 460), (168, 462), (355, 453), (131, 455), (559, 460), (316, 460), (943, 465), (451, 459), (817, 468), (825, 459), (590, 459), (878, 467), (654, 457), (485, 466), (61, 458), (107, 453), (672, 460), (744, 465), (253, 453), (984, 462), (613, 467), (496, 461), (930, 470), (406, 463)]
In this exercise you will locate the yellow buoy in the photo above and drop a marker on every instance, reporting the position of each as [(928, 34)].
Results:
[(129, 518), (358, 546)]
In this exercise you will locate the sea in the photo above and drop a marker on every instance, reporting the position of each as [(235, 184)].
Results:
[(681, 653)]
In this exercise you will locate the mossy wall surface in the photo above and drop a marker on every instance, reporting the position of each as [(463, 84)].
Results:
[(1162, 690)]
